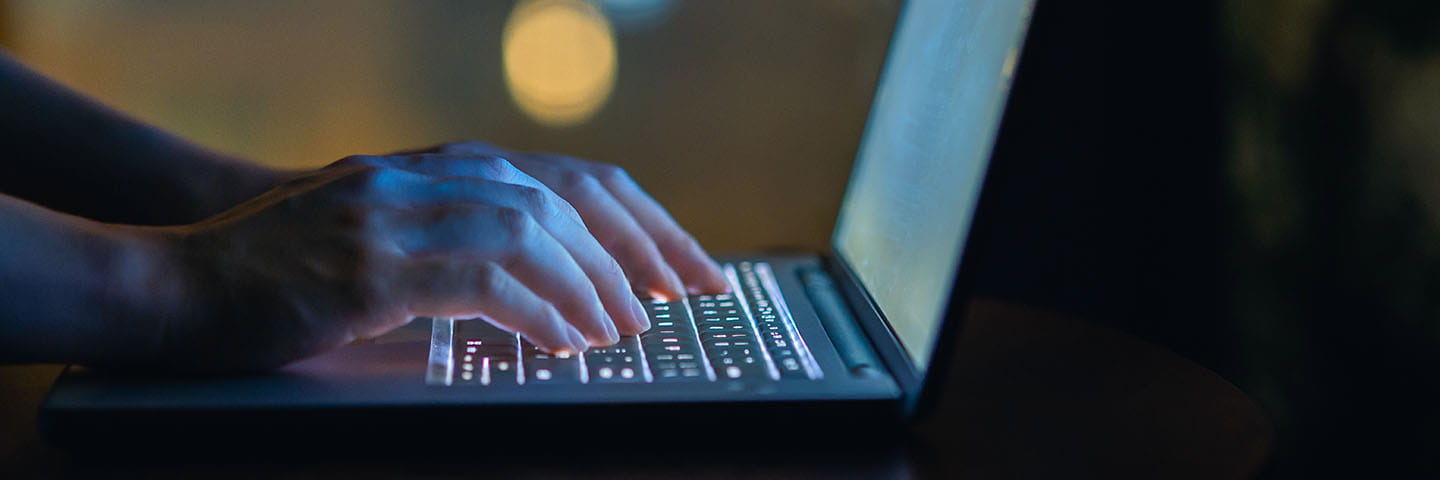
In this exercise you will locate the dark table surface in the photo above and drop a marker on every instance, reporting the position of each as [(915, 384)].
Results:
[(1032, 394)]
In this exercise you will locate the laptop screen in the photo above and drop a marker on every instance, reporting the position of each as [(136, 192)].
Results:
[(912, 193)]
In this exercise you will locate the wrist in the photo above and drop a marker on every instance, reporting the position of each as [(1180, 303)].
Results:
[(226, 182), (144, 294), (209, 182)]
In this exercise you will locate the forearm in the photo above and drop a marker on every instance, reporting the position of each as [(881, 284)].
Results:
[(72, 154), (77, 291)]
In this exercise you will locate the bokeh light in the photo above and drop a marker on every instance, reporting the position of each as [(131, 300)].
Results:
[(560, 60)]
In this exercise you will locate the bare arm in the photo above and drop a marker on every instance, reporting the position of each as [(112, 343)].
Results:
[(69, 153), (75, 290)]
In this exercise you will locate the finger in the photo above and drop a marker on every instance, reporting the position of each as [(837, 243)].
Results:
[(488, 167), (514, 240), (700, 273), (558, 218), (396, 187), (449, 288), (613, 226)]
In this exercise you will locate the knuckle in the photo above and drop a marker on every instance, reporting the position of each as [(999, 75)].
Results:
[(611, 174), (614, 270), (499, 168), (489, 280), (517, 225), (578, 181), (544, 204), (534, 199)]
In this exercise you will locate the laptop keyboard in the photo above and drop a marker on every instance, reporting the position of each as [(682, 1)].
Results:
[(746, 335)]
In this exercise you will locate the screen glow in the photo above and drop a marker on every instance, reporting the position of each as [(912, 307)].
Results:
[(917, 177)]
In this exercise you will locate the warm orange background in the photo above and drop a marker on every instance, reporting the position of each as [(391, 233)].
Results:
[(742, 117)]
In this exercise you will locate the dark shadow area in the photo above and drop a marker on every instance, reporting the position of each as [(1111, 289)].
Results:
[(1107, 176), (1251, 185), (493, 452), (1333, 246)]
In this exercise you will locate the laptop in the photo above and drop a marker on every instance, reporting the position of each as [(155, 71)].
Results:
[(859, 335)]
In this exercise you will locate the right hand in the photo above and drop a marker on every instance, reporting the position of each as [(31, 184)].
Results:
[(361, 247)]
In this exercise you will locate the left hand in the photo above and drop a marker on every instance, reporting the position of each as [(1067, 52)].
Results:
[(658, 256)]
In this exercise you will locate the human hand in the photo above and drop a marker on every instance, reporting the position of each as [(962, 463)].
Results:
[(659, 256), (360, 247)]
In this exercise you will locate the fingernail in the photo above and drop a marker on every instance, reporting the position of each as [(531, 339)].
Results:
[(637, 309), (577, 340), (611, 334)]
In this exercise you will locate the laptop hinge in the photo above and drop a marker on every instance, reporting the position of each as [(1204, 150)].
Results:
[(839, 325), (865, 318)]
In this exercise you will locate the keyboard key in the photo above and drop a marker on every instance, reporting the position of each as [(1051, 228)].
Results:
[(775, 333), (476, 332), (753, 371), (496, 368), (791, 368), (540, 367), (619, 363), (484, 355), (702, 338), (671, 346)]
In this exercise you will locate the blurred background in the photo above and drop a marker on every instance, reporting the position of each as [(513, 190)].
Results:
[(1252, 184), (701, 101)]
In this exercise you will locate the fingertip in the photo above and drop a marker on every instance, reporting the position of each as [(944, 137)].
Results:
[(709, 284), (641, 316), (713, 281), (611, 334), (640, 322), (668, 287), (578, 343), (701, 273), (671, 295)]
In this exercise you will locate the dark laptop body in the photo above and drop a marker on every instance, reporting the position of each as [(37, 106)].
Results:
[(875, 357)]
